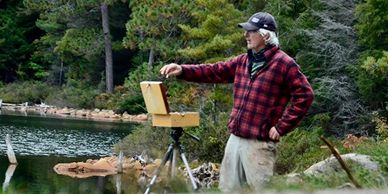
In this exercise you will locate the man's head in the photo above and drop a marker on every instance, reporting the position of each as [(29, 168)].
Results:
[(260, 30)]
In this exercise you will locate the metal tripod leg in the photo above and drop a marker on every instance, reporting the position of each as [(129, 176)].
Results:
[(167, 157), (184, 159)]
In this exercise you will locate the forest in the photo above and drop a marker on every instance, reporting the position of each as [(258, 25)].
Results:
[(89, 54)]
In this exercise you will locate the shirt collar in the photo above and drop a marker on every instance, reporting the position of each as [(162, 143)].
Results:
[(269, 51)]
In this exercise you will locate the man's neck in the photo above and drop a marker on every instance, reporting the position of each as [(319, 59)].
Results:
[(256, 50)]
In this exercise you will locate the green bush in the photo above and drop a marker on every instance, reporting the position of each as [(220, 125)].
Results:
[(373, 79), (121, 100), (29, 91), (75, 94), (299, 150), (213, 139)]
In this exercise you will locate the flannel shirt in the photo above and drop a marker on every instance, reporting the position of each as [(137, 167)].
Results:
[(278, 95)]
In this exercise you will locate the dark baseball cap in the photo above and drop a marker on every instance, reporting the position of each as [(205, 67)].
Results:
[(259, 20)]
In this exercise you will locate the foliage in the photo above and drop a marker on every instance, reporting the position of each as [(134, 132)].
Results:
[(293, 18), (373, 79), (28, 91), (75, 94), (213, 135), (153, 25), (121, 100), (368, 179), (16, 32), (381, 126), (213, 35), (372, 33), (299, 150)]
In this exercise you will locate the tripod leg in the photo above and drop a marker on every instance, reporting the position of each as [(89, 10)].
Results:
[(173, 163), (166, 158), (193, 183)]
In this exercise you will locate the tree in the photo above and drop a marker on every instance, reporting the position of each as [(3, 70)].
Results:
[(108, 48), (372, 72), (213, 35), (332, 50), (17, 32), (76, 32), (153, 27), (372, 22)]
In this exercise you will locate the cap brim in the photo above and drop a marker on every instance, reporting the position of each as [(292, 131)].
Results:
[(247, 26)]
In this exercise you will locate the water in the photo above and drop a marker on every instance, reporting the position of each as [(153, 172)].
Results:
[(40, 143)]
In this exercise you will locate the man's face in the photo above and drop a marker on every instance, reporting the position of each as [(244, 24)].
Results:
[(254, 40)]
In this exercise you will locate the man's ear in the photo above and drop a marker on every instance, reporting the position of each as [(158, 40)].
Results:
[(266, 37)]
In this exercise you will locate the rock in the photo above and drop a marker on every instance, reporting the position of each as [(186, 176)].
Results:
[(106, 166), (293, 178), (206, 175), (331, 164)]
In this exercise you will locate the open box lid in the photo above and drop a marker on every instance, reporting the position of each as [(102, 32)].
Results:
[(154, 94)]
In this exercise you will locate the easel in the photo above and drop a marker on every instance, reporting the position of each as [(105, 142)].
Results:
[(155, 99)]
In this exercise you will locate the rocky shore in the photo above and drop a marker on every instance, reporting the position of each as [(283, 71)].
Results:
[(96, 114)]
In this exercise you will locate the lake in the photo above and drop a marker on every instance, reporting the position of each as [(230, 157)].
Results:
[(41, 142)]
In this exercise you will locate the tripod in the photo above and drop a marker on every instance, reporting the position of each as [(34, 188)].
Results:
[(170, 156)]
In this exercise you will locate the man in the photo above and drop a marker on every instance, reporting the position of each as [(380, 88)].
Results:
[(271, 96)]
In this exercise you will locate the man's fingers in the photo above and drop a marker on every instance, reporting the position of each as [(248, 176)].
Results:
[(273, 134)]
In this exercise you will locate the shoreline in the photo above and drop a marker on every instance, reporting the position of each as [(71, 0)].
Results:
[(94, 115)]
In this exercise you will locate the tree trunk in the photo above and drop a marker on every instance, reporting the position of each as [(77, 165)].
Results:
[(151, 59), (108, 49)]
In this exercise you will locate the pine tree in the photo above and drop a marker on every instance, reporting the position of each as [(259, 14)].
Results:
[(153, 27), (213, 35)]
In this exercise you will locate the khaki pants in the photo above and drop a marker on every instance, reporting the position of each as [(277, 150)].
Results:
[(246, 162)]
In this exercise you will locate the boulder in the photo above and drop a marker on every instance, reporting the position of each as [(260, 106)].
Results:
[(331, 164)]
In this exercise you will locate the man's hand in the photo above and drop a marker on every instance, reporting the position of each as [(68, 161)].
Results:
[(273, 134), (171, 69)]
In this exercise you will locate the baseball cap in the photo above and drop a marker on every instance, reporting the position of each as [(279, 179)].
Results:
[(259, 20)]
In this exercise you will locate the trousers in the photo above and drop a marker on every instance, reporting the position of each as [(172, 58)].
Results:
[(247, 163)]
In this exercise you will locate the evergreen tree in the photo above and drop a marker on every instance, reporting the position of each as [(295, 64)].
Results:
[(17, 32), (213, 34), (74, 34), (329, 53), (372, 22), (153, 27), (372, 73)]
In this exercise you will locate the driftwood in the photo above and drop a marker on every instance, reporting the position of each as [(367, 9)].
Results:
[(10, 152), (342, 163), (8, 175)]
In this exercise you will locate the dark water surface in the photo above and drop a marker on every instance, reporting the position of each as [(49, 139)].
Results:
[(42, 142)]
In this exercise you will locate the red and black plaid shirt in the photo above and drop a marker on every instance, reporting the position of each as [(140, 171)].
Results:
[(278, 95)]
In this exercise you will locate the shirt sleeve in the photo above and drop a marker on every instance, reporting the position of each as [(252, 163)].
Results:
[(302, 96), (221, 72)]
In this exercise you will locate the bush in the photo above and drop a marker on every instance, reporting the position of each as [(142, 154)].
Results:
[(121, 100), (29, 91), (373, 79), (75, 94), (299, 150)]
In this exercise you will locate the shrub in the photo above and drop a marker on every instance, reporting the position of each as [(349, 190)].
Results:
[(121, 100), (299, 150), (29, 91), (75, 94)]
